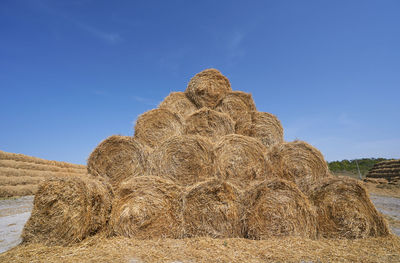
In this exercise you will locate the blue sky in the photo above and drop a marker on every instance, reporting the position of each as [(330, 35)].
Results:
[(75, 72)]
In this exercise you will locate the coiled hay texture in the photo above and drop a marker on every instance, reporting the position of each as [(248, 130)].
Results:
[(212, 208), (241, 160), (276, 208), (66, 210), (157, 125), (118, 158), (261, 125), (208, 88), (185, 159), (344, 210), (209, 123), (178, 103), (237, 104), (299, 162), (147, 207)]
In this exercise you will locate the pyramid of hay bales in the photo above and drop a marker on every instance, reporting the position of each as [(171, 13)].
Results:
[(204, 163), (389, 170)]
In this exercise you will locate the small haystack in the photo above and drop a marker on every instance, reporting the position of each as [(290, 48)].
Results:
[(118, 158), (237, 104), (344, 210), (157, 125), (208, 88), (68, 209), (147, 207), (212, 208), (261, 125), (185, 159), (178, 103), (209, 123), (276, 208), (241, 159), (299, 162)]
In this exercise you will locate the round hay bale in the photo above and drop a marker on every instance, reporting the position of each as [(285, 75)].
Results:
[(209, 123), (66, 210), (344, 210), (185, 159), (276, 208), (157, 125), (299, 162), (178, 103), (241, 160), (208, 88), (212, 208), (261, 125), (118, 158), (237, 104), (147, 207)]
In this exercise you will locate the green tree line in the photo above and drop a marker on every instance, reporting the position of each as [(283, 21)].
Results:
[(350, 165)]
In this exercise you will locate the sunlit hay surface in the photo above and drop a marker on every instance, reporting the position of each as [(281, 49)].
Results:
[(178, 103), (237, 104)]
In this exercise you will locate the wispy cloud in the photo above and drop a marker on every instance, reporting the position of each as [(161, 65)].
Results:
[(146, 101), (234, 46), (111, 38), (173, 60)]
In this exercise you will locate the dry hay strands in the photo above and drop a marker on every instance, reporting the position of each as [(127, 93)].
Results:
[(276, 208), (208, 88), (237, 104), (299, 162), (241, 159), (209, 123), (185, 159), (261, 125), (344, 210), (118, 158), (39, 167), (155, 126), (66, 210), (147, 207), (18, 190), (178, 103), (212, 208)]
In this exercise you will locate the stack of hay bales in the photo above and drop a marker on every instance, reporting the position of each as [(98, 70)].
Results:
[(206, 163), (387, 170)]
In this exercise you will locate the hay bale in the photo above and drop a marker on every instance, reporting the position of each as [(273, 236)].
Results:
[(178, 103), (208, 88), (185, 159), (66, 210), (344, 210), (118, 158), (261, 125), (237, 104), (212, 208), (147, 207), (209, 123), (299, 162), (276, 208), (157, 125), (241, 160)]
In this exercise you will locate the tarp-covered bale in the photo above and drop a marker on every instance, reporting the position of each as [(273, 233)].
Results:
[(212, 208), (118, 158), (344, 210), (147, 207), (208, 88), (179, 103), (237, 104), (157, 125), (185, 159), (68, 209)]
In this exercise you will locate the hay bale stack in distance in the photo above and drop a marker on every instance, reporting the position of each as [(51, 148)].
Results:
[(185, 159), (66, 210), (241, 160), (178, 103), (208, 88), (212, 208), (237, 104), (277, 208), (209, 123), (344, 210), (147, 207), (261, 125), (299, 162), (157, 125), (118, 158)]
